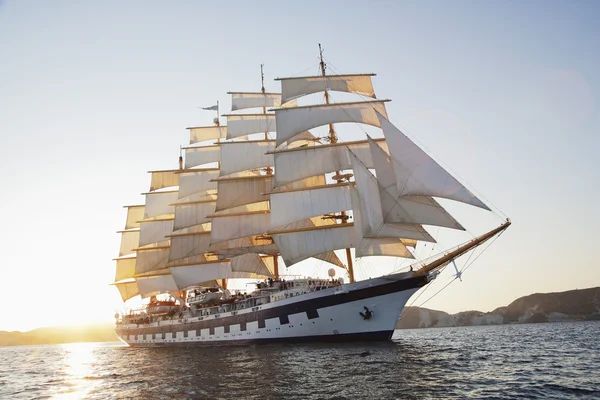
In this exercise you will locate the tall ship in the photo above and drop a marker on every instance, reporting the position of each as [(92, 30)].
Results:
[(283, 187)]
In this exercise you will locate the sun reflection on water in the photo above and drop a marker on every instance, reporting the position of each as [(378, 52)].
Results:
[(78, 370)]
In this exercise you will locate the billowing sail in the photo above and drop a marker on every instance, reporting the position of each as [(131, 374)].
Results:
[(298, 245), (196, 156), (303, 162), (418, 174), (189, 244), (408, 209), (292, 121), (235, 226), (204, 133), (198, 181), (243, 100), (163, 179), (129, 241), (368, 204), (127, 290), (156, 284), (151, 259), (247, 124), (134, 215), (159, 203), (236, 247), (125, 268), (238, 191), (194, 213), (383, 245), (253, 263), (299, 204), (300, 86), (155, 231), (188, 275), (247, 155)]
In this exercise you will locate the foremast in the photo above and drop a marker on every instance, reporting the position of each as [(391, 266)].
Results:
[(338, 176), (268, 169)]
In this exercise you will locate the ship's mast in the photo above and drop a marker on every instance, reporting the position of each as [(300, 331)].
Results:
[(218, 123), (268, 170), (333, 139)]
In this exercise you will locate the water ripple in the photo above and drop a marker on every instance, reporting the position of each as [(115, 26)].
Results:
[(543, 361)]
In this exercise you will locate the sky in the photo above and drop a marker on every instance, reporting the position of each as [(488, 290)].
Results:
[(95, 93)]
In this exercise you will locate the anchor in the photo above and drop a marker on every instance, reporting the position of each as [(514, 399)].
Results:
[(367, 314)]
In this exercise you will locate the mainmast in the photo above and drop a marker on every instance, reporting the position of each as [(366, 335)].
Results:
[(268, 170), (218, 123), (338, 177)]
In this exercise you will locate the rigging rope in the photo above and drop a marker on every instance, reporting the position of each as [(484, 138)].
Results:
[(487, 245)]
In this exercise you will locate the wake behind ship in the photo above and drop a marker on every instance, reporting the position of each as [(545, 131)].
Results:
[(268, 189)]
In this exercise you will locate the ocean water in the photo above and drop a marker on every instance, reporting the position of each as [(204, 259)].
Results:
[(537, 361)]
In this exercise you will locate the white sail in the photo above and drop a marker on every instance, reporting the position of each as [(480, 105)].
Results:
[(331, 258), (127, 290), (134, 215), (195, 156), (382, 247), (155, 231), (295, 87), (204, 133), (308, 225), (129, 241), (418, 174), (237, 191), (151, 259), (163, 179), (197, 181), (159, 203), (193, 213), (247, 124), (156, 284), (125, 268), (379, 246), (243, 100), (237, 247), (253, 263), (368, 203), (408, 209), (291, 206), (228, 227), (299, 245), (188, 245), (189, 275), (292, 121), (299, 163), (303, 139), (241, 156)]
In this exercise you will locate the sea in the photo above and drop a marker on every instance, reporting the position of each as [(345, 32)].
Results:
[(533, 361)]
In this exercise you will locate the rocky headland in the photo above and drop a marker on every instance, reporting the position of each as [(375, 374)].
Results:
[(572, 305)]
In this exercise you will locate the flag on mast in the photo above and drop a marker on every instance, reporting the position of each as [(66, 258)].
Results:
[(212, 108)]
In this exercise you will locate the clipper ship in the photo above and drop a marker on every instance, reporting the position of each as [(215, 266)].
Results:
[(239, 206)]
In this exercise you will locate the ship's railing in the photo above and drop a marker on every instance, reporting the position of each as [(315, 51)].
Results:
[(283, 290)]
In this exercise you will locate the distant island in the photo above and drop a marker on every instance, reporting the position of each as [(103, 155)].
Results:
[(572, 305)]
